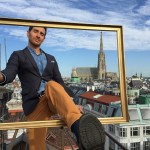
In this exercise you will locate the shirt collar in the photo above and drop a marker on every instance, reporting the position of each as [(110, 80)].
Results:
[(32, 50)]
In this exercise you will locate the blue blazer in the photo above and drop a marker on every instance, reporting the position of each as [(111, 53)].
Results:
[(22, 63)]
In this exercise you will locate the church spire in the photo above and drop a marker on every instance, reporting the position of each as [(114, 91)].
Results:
[(101, 74), (101, 43)]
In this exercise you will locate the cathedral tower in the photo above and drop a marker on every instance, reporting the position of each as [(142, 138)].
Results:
[(101, 68)]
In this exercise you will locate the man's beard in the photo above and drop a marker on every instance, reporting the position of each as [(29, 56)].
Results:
[(35, 44)]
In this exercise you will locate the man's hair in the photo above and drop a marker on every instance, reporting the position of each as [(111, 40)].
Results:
[(31, 27)]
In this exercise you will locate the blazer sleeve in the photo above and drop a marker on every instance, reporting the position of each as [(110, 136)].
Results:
[(11, 69)]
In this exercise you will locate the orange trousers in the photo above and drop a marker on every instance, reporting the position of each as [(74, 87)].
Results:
[(55, 101)]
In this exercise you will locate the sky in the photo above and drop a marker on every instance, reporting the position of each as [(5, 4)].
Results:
[(79, 48)]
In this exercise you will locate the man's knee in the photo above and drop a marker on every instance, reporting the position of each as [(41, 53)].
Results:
[(54, 85)]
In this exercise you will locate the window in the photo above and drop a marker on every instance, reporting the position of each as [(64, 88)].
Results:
[(146, 130), (146, 145), (104, 109), (100, 108), (136, 94), (96, 106), (135, 131), (135, 146), (80, 101), (112, 129), (84, 102), (123, 132), (110, 111), (117, 112)]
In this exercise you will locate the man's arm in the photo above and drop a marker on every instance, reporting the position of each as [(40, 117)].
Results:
[(9, 73)]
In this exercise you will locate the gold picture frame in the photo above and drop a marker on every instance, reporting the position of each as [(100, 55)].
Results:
[(76, 26)]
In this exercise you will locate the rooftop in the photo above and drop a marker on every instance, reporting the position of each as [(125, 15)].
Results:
[(104, 99)]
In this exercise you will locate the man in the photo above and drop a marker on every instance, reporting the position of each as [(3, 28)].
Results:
[(44, 94)]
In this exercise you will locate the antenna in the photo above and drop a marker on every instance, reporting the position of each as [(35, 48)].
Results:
[(5, 51)]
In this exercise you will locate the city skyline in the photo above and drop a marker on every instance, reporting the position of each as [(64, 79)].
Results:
[(132, 15), (78, 54)]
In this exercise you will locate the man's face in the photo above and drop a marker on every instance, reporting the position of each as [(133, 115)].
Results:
[(36, 36)]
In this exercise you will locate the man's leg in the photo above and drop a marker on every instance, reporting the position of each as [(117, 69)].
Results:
[(37, 136), (60, 102), (84, 126)]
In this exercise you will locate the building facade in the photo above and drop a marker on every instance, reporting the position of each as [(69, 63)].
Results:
[(135, 134)]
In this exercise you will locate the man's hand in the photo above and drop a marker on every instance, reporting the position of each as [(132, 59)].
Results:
[(1, 77)]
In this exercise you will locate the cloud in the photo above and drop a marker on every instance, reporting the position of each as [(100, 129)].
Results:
[(15, 2), (66, 39), (147, 22), (14, 32), (144, 9), (139, 40), (132, 15)]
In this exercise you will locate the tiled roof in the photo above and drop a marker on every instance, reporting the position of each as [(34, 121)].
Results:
[(105, 99)]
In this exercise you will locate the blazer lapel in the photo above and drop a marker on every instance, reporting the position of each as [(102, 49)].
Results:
[(49, 62), (27, 52)]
